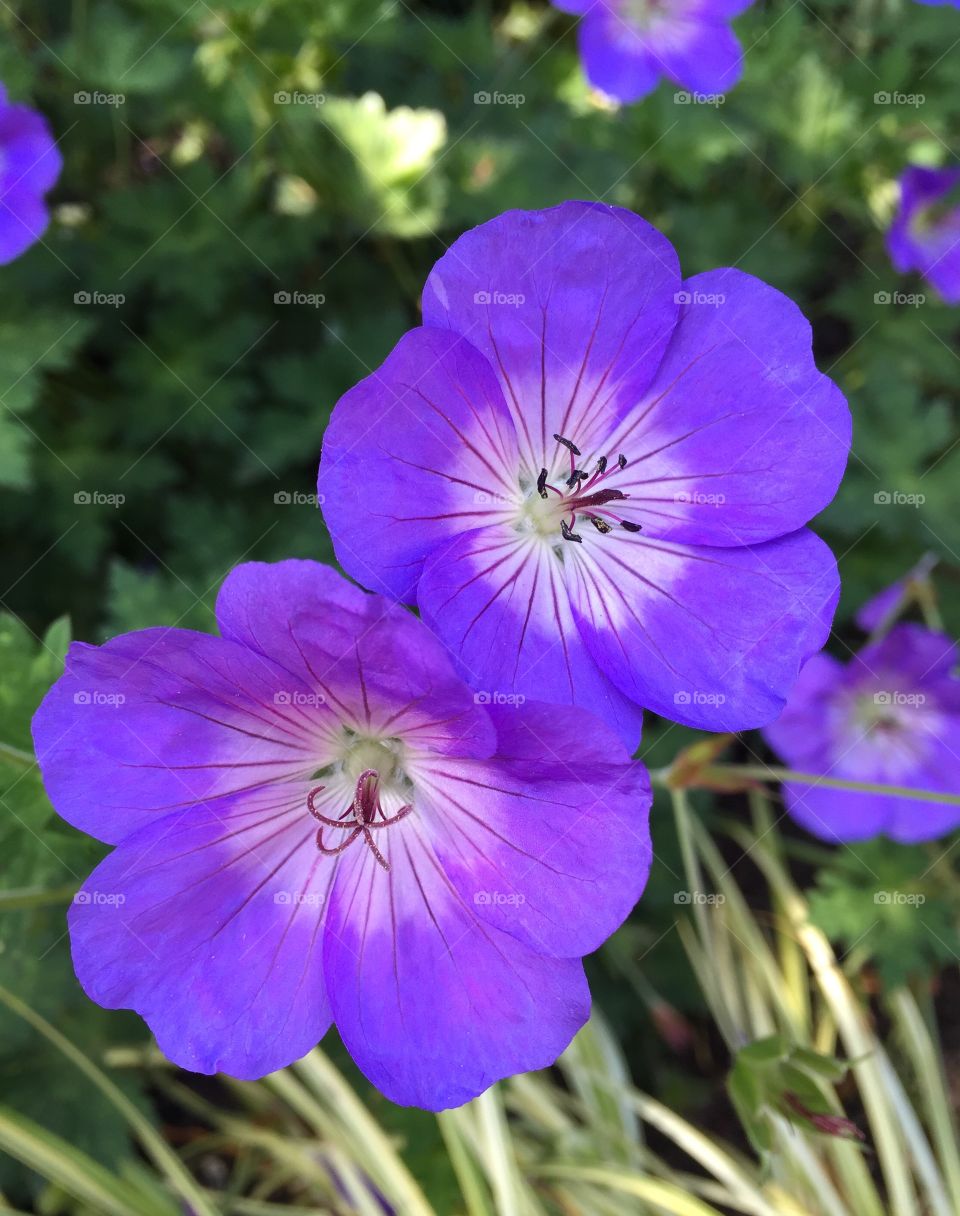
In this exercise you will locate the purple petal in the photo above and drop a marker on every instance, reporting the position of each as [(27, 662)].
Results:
[(739, 438), (421, 450), (432, 1003), (572, 307), (31, 159), (257, 599), (826, 730), (883, 607), (839, 816), (207, 925), (703, 56), (932, 247), (616, 58), (499, 602), (551, 846), (344, 644), (23, 220), (915, 656), (376, 695), (804, 733), (155, 721), (713, 638)]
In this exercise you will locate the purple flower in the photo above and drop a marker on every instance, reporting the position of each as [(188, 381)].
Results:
[(891, 716), (593, 476), (628, 45), (925, 233), (882, 609), (29, 165), (316, 821)]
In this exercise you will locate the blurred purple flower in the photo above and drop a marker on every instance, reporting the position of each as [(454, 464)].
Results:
[(891, 716), (29, 166), (627, 46), (883, 608), (593, 475), (316, 821), (925, 233)]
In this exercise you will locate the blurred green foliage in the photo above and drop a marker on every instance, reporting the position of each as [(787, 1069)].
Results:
[(253, 194)]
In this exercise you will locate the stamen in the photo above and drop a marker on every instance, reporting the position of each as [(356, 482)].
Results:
[(360, 818), (567, 534), (567, 444), (579, 497)]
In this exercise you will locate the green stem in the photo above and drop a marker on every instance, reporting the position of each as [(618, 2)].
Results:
[(8, 752), (763, 772)]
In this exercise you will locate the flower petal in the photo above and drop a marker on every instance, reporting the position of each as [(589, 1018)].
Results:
[(740, 438), (572, 307), (805, 732), (419, 451), (343, 644), (256, 600), (23, 220), (206, 924), (433, 1004), (155, 721), (499, 602), (713, 638), (616, 58), (377, 694), (703, 56), (551, 845), (838, 816)]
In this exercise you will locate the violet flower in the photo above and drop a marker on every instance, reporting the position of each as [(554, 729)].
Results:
[(316, 822), (627, 46), (29, 165), (891, 716), (925, 233), (592, 476)]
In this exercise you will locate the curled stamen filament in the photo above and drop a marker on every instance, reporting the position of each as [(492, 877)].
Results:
[(359, 819)]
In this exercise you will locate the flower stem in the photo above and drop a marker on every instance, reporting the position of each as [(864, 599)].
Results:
[(763, 772)]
